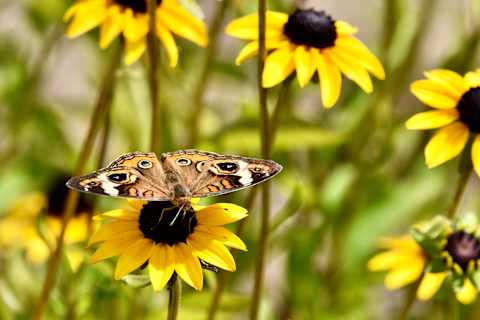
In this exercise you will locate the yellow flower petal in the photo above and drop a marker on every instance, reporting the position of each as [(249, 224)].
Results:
[(183, 23), (446, 144), (115, 246), (391, 259), (161, 266), (37, 251), (432, 119), (356, 50), (133, 257), (220, 213), (433, 95), (187, 266), (136, 26), (113, 230), (121, 214), (468, 293), (111, 27), (278, 66), (330, 79), (134, 50), (430, 284), (246, 28), (304, 64), (350, 68), (136, 205), (403, 275), (211, 251), (223, 235), (405, 242), (344, 28), (251, 49), (473, 79), (77, 229), (476, 154), (451, 82), (88, 15), (168, 42), (75, 258)]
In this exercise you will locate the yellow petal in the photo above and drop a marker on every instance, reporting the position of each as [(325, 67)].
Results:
[(473, 79), (136, 205), (183, 23), (304, 64), (37, 251), (432, 119), (330, 79), (344, 28), (168, 42), (451, 82), (75, 258), (111, 27), (161, 266), (476, 154), (77, 229), (251, 49), (114, 247), (430, 284), (133, 257), (356, 50), (136, 26), (433, 95), (113, 230), (223, 235), (391, 259), (404, 242), (468, 293), (211, 251), (403, 275), (220, 213), (446, 144), (88, 15), (187, 266), (134, 50), (246, 28), (121, 214), (350, 68), (278, 66)]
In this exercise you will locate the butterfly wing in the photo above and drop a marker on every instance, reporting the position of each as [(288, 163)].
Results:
[(207, 174), (133, 175)]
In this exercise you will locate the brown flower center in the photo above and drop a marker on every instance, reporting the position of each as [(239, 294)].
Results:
[(162, 222), (469, 109), (311, 28), (463, 248)]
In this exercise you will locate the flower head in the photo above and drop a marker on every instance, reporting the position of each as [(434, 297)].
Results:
[(169, 239), (130, 18), (457, 103), (34, 221), (435, 252), (309, 42)]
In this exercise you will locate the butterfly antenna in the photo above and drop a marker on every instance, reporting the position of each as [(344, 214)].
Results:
[(177, 215), (159, 219)]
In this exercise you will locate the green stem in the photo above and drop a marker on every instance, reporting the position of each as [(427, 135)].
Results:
[(459, 192), (154, 81), (102, 105), (409, 301), (174, 294), (199, 91)]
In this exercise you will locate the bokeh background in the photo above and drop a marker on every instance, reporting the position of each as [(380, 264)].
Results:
[(351, 174)]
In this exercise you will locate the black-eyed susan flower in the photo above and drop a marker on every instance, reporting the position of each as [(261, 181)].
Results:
[(130, 18), (309, 42), (33, 223), (437, 252), (457, 103), (156, 234)]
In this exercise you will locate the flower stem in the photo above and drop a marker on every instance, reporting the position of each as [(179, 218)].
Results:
[(153, 75), (199, 91), (409, 301), (174, 294), (461, 187), (101, 107), (266, 150)]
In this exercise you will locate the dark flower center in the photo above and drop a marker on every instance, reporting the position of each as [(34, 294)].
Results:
[(311, 28), (57, 195), (463, 248), (162, 222), (469, 108), (139, 6)]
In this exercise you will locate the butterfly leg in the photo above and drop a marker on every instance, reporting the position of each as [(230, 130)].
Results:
[(176, 216)]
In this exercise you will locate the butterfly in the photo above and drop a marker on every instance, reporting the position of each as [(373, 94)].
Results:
[(176, 176)]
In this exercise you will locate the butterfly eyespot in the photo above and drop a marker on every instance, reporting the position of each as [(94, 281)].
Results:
[(93, 184), (199, 166), (118, 177), (145, 164), (227, 166), (257, 169), (184, 162)]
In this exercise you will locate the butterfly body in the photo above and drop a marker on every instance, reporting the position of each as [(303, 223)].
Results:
[(176, 176)]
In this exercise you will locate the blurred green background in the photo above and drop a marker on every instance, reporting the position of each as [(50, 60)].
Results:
[(351, 174)]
